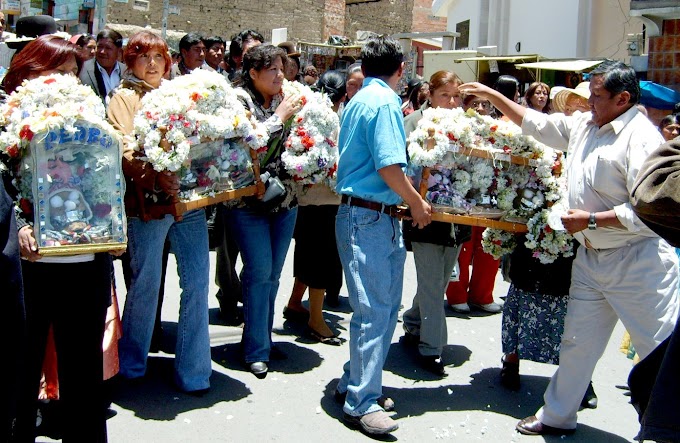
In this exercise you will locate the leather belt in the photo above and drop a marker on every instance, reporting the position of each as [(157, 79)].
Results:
[(391, 210)]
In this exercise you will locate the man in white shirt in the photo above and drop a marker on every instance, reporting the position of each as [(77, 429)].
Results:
[(623, 271), (103, 73)]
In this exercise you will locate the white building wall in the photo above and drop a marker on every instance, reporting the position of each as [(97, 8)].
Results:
[(548, 28), (551, 28), (461, 10)]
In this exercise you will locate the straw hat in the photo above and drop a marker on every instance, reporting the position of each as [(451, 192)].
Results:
[(560, 101)]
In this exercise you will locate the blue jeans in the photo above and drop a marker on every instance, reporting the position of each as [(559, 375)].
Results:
[(372, 252), (189, 242), (263, 241)]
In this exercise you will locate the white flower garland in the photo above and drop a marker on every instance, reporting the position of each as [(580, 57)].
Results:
[(546, 243), (200, 105), (497, 242), (524, 192), (311, 152), (50, 102)]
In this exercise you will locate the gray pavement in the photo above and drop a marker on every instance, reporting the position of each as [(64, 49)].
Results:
[(295, 403)]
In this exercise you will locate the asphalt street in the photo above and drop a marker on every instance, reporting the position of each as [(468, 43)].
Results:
[(295, 402)]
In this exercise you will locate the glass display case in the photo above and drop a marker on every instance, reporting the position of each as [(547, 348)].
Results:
[(214, 169), (77, 187)]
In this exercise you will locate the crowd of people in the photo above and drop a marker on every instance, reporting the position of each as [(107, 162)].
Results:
[(561, 313)]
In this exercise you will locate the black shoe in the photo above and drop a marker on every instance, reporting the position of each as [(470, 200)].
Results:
[(590, 398), (295, 316), (333, 340), (259, 369), (433, 364), (533, 426), (410, 340), (231, 316), (510, 375)]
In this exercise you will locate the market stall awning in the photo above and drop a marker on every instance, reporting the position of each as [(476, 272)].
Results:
[(500, 58), (658, 96), (562, 65)]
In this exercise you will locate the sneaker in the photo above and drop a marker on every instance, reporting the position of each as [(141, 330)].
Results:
[(462, 308), (376, 423), (384, 402), (493, 308)]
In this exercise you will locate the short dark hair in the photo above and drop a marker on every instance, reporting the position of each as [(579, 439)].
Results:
[(669, 120), (381, 57), (115, 37), (618, 77), (236, 45), (333, 84), (259, 58), (215, 39), (189, 40)]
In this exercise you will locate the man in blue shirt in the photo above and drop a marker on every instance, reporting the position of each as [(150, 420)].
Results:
[(371, 181)]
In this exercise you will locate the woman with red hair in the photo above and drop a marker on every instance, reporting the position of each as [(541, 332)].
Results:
[(147, 59), (76, 310), (48, 54)]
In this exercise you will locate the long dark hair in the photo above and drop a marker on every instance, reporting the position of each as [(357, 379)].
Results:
[(45, 53), (333, 84), (259, 58)]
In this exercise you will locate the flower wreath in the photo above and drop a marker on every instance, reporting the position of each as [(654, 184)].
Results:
[(50, 102), (311, 152), (546, 243), (182, 111), (497, 242)]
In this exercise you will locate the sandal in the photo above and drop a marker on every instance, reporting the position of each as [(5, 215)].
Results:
[(510, 375), (332, 340)]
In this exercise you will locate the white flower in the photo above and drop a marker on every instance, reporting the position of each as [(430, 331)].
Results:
[(497, 242), (200, 105), (546, 243), (311, 152), (54, 101)]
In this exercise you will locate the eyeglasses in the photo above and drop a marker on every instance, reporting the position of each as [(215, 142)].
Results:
[(483, 103)]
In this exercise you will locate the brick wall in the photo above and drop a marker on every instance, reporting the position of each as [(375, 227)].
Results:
[(306, 20), (664, 56), (382, 17), (333, 19), (423, 20), (303, 18)]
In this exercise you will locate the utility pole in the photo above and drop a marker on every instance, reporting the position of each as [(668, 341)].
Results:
[(164, 20), (99, 16)]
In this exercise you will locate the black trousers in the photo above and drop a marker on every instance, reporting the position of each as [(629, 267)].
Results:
[(226, 277), (73, 298), (12, 316)]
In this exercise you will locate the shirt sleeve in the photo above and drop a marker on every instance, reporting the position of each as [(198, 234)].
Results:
[(639, 149), (386, 138), (552, 130)]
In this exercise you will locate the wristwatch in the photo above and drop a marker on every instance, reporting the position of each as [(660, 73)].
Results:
[(592, 224)]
